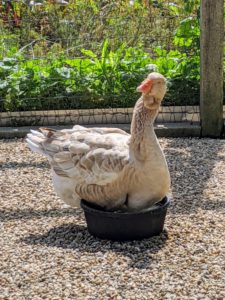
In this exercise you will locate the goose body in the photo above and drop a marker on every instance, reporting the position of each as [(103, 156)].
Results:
[(108, 166)]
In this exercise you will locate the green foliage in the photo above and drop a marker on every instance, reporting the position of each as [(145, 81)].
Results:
[(85, 82), (109, 80), (90, 55)]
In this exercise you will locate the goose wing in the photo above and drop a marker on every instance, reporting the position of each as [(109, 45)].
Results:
[(88, 155)]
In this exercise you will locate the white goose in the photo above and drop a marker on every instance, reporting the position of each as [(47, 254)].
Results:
[(108, 166)]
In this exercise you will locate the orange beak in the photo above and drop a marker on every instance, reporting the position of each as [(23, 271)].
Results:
[(145, 86)]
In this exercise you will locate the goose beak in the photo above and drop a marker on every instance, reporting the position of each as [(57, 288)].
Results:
[(145, 86)]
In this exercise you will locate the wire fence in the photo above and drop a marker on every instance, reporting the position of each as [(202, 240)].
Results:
[(80, 61)]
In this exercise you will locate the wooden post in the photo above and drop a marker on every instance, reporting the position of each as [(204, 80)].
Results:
[(211, 94)]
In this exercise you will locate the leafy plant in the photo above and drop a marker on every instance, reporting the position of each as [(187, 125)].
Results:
[(91, 54)]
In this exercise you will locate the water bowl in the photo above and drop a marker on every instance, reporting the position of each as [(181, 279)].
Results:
[(122, 226)]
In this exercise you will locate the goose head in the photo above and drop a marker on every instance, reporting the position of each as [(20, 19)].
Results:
[(153, 90)]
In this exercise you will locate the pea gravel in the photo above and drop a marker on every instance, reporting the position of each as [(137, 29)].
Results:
[(47, 253)]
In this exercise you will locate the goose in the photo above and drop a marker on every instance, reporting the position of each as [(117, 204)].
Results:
[(108, 166)]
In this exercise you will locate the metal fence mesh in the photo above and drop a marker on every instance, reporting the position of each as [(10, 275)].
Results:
[(81, 61)]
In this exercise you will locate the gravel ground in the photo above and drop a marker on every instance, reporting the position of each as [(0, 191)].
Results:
[(47, 253)]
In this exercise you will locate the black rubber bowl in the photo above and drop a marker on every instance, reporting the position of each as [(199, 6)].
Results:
[(122, 226)]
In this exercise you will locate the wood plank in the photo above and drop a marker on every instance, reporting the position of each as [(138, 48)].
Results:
[(211, 94)]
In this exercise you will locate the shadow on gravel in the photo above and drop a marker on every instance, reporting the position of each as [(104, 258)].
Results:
[(191, 163), (19, 165), (76, 237), (26, 214)]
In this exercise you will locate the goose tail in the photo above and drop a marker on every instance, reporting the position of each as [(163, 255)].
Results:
[(36, 139)]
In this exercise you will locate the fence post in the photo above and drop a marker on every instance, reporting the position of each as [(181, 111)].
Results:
[(211, 83)]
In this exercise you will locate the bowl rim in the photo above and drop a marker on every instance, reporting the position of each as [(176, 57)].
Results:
[(87, 207)]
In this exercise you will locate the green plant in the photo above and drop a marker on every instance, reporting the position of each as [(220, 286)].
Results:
[(63, 83), (90, 55)]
